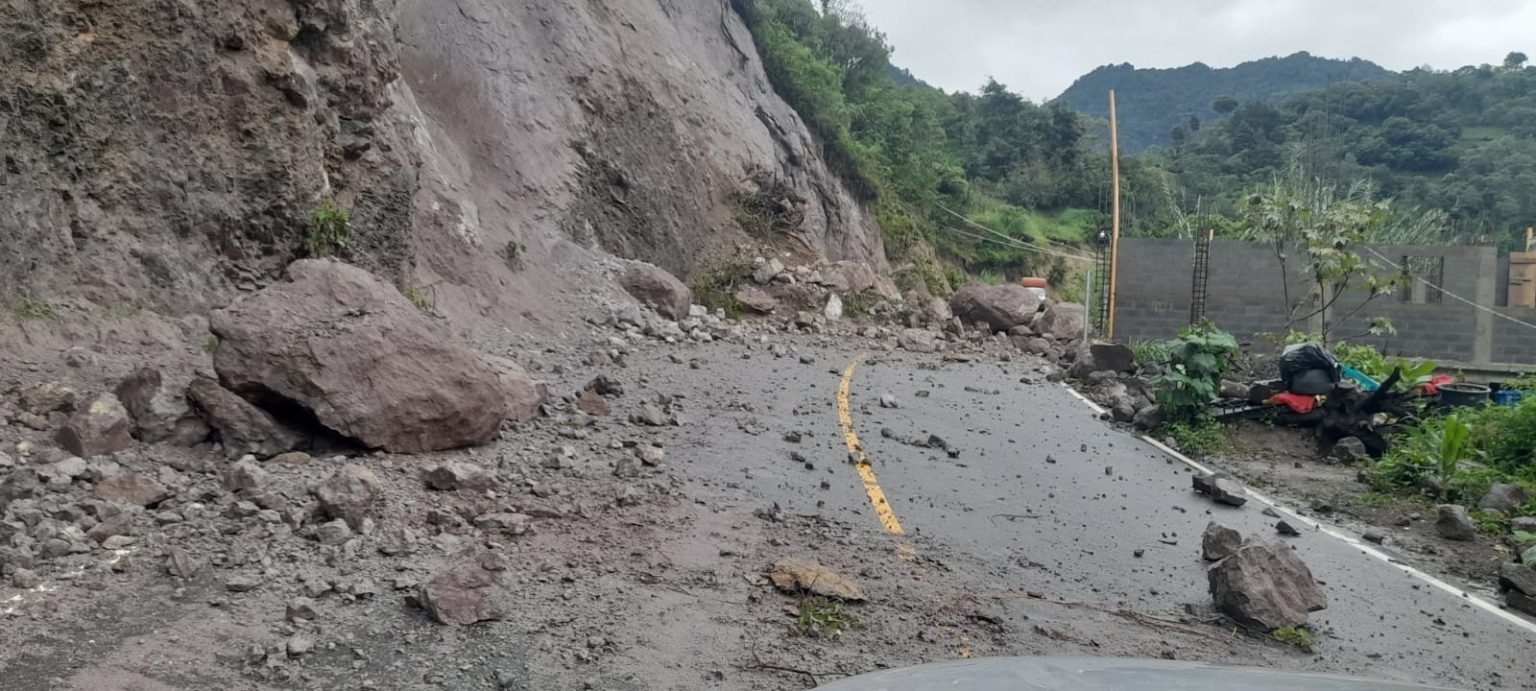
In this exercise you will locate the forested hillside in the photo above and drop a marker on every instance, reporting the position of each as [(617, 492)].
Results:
[(911, 150), (1460, 142), (1161, 107)]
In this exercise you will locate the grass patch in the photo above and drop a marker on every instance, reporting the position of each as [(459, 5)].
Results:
[(858, 304), (715, 287), (1198, 437), (1297, 636), (420, 298), (31, 308), (821, 617), (330, 230), (1150, 352), (1491, 522)]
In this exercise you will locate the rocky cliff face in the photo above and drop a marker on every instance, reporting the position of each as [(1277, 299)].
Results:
[(167, 154)]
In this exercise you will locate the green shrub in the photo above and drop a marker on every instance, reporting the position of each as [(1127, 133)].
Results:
[(1197, 360), (1200, 437), (420, 298), (330, 230), (822, 617), (715, 287), (31, 308), (1295, 635), (1149, 352)]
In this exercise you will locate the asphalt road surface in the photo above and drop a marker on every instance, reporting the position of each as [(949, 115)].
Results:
[(1055, 498)]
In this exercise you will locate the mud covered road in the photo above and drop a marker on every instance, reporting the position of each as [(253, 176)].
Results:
[(997, 516)]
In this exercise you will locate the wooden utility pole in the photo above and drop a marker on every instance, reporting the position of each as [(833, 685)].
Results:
[(1114, 215)]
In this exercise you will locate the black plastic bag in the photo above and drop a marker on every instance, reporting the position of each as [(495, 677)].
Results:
[(1308, 369)]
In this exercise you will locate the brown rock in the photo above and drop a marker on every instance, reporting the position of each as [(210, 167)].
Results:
[(351, 350), (464, 591), (1219, 542), (797, 574), (131, 488), (100, 428), (524, 396), (756, 300), (592, 404), (158, 418), (48, 397), (653, 286), (242, 428), (455, 476)]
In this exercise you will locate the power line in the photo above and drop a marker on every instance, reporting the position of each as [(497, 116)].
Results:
[(1010, 240), (1443, 291), (1016, 245)]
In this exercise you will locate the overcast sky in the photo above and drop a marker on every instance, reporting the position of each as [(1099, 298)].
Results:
[(1038, 47)]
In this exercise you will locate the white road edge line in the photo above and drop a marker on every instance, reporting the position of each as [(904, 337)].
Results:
[(1335, 533)]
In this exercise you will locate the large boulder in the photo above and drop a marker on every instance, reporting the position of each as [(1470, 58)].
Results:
[(849, 277), (1102, 357), (1001, 307), (756, 299), (653, 286), (1503, 497), (351, 350), (1266, 586), (1062, 321), (918, 340), (242, 428), (101, 427)]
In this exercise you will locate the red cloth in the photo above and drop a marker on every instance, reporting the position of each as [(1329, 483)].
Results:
[(1298, 403), (1433, 387)]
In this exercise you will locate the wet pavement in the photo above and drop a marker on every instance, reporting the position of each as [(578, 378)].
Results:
[(1060, 502)]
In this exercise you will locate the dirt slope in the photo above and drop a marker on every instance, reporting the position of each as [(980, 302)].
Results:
[(164, 155)]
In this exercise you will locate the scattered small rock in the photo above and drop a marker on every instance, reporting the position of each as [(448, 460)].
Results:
[(349, 494), (1287, 529), (889, 401), (455, 475), (333, 533), (463, 591), (1453, 523)]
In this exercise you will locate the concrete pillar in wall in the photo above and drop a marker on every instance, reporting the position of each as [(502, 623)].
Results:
[(1487, 293)]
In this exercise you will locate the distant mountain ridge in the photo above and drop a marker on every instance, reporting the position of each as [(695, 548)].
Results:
[(1152, 102)]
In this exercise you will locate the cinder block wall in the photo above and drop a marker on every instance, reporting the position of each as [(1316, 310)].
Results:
[(1246, 297)]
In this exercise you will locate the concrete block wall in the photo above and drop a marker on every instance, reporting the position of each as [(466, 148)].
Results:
[(1245, 296)]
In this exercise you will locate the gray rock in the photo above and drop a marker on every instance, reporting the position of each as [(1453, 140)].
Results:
[(503, 522), (1219, 542), (48, 397), (756, 299), (463, 592), (246, 476), (1521, 577), (1504, 497), (299, 646), (653, 286), (765, 272), (348, 348), (1266, 586), (1525, 524), (1287, 529), (1001, 307), (1453, 523), (650, 455), (1349, 450), (652, 415), (243, 428), (348, 494), (333, 533), (889, 401), (1062, 321), (1098, 357), (918, 340), (242, 583), (1148, 418), (1228, 491), (25, 579), (454, 475), (300, 608), (834, 307), (1521, 602), (101, 427)]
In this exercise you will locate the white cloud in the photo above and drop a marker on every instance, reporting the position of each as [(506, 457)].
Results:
[(1038, 47)]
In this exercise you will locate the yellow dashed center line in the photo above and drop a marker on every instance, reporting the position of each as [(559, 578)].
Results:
[(861, 462)]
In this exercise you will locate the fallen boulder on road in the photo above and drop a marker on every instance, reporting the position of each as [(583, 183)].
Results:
[(1062, 321), (653, 286), (347, 347), (1221, 488), (1265, 586), (1002, 307)]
